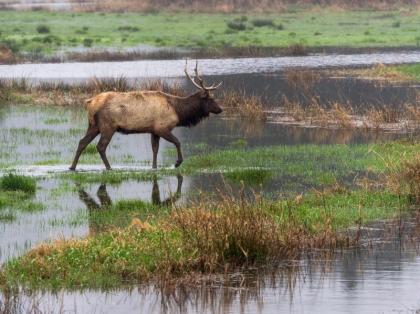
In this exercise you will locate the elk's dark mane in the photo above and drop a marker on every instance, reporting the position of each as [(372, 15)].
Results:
[(188, 109)]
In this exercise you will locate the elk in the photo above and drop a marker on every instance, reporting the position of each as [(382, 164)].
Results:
[(153, 112)]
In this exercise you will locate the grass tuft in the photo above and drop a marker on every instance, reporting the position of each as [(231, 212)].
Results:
[(43, 29), (14, 182), (246, 107)]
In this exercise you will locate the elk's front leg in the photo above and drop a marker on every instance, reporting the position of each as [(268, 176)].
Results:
[(155, 148), (171, 138), (91, 133)]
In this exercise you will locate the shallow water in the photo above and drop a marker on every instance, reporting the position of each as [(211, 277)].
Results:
[(175, 68), (381, 278)]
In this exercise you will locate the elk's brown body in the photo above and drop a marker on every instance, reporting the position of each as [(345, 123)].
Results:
[(151, 112)]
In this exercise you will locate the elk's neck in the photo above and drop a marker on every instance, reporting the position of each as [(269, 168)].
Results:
[(189, 110)]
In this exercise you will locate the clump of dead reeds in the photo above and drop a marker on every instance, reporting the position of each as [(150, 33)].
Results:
[(318, 114), (116, 84), (383, 115), (230, 232), (296, 50), (408, 178), (247, 107), (6, 55), (302, 79), (161, 85)]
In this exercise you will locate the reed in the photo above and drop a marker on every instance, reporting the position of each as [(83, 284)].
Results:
[(246, 107)]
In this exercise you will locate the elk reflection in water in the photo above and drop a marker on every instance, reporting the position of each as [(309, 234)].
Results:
[(105, 202)]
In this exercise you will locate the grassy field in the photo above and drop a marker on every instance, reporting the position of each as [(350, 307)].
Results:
[(50, 32)]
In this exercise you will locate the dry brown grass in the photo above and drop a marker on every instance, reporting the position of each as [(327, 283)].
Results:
[(6, 55), (387, 73), (377, 117), (408, 177), (318, 114), (302, 79), (62, 94), (247, 107), (231, 232), (161, 85)]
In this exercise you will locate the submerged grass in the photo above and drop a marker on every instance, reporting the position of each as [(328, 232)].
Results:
[(14, 182), (16, 193), (250, 177)]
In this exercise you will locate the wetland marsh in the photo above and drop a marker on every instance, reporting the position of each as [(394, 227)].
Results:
[(326, 202)]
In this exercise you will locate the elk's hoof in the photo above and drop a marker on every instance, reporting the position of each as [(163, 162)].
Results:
[(72, 168), (178, 163)]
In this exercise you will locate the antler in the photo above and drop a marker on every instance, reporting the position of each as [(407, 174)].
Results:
[(200, 84)]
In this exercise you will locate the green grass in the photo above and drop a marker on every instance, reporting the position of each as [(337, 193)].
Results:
[(410, 70), (90, 149), (14, 182), (250, 177), (311, 29), (121, 213)]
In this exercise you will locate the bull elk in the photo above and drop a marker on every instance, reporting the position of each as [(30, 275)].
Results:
[(153, 112)]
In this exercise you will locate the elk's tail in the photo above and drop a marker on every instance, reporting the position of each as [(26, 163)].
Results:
[(91, 111)]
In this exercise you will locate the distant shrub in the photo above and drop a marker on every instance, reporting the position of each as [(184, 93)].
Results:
[(263, 22), (43, 29), (128, 29), (51, 39), (280, 27), (80, 31), (87, 42), (396, 24), (317, 33), (236, 25), (14, 182)]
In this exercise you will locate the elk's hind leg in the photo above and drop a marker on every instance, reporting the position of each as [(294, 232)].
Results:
[(155, 149), (106, 137), (91, 133)]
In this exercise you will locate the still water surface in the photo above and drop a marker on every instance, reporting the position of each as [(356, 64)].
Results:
[(175, 68)]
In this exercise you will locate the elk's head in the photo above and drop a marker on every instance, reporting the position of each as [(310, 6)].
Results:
[(207, 102)]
